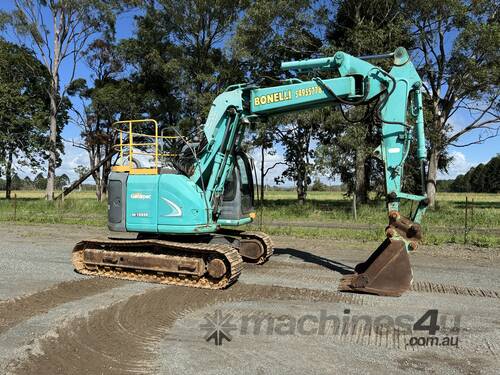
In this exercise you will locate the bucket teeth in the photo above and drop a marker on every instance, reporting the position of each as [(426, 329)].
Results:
[(386, 272)]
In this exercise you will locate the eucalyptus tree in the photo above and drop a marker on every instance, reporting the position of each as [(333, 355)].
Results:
[(58, 31), (24, 109)]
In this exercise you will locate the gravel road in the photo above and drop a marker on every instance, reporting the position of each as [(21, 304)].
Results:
[(282, 317)]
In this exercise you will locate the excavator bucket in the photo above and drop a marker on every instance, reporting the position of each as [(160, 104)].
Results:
[(387, 272)]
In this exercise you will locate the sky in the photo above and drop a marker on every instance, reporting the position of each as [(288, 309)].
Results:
[(463, 158)]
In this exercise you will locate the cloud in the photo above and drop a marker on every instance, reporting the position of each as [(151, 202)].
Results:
[(269, 161), (72, 157), (459, 165)]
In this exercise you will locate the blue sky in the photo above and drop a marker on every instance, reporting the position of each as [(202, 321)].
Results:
[(464, 158)]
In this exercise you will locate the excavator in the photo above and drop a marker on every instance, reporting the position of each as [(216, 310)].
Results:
[(186, 202)]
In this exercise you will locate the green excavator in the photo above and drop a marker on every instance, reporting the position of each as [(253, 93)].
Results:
[(186, 200)]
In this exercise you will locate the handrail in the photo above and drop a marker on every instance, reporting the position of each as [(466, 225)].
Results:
[(128, 143)]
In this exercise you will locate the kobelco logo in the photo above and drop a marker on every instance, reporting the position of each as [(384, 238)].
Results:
[(140, 196)]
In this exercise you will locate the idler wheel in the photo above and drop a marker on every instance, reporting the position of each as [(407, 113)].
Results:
[(216, 268)]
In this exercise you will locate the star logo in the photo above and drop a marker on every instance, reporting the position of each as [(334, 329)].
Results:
[(218, 327)]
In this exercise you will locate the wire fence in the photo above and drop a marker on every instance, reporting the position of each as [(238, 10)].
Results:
[(58, 212)]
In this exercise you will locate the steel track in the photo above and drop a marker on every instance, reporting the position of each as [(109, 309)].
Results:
[(229, 254)]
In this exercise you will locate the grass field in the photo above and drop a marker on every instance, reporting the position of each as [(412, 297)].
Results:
[(326, 215)]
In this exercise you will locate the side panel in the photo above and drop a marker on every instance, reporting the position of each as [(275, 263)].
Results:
[(181, 207), (142, 203), (117, 201)]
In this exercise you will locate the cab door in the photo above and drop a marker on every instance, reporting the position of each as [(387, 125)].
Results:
[(238, 200)]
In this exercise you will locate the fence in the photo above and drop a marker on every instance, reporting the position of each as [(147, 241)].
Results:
[(89, 211)]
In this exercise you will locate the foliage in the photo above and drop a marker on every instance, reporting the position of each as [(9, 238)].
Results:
[(111, 98), (24, 107), (317, 185), (459, 45), (271, 32), (39, 182), (297, 136), (80, 170), (484, 178), (288, 35), (179, 57), (359, 28), (183, 54), (59, 31)]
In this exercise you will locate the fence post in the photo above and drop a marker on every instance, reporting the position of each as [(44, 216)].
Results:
[(15, 206), (466, 229), (354, 211)]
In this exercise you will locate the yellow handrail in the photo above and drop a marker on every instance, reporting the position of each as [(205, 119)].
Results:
[(130, 146)]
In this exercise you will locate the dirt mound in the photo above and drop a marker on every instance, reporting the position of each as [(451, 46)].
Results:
[(90, 345), (19, 309)]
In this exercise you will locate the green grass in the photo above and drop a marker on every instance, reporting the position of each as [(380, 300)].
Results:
[(334, 207), (444, 224), (30, 207)]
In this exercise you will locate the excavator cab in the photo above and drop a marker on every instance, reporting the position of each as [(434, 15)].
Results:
[(238, 200)]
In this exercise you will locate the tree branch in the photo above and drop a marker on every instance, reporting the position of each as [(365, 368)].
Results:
[(479, 141), (273, 166), (476, 124)]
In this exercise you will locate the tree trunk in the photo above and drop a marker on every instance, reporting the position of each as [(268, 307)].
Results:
[(301, 188), (368, 174), (98, 191), (431, 176), (102, 194), (95, 160), (51, 174), (360, 188), (8, 175), (301, 192), (53, 93), (106, 169)]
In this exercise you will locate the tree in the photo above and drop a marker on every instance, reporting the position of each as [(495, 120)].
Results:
[(17, 182), (59, 30), (483, 178), (263, 138), (317, 185), (81, 170), (27, 183), (359, 28), (200, 28), (39, 181), (287, 36), (343, 153), (24, 106), (297, 136), (62, 181), (111, 98), (179, 57), (459, 44)]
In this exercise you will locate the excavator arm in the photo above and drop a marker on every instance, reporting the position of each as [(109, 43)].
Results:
[(399, 113)]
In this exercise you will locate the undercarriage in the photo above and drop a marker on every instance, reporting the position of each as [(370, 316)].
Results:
[(209, 261)]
